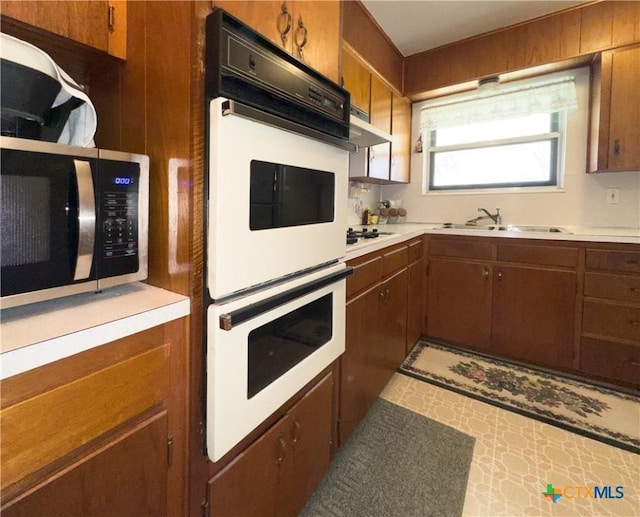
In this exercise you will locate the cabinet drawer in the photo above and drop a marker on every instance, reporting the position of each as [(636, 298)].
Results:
[(366, 271), (614, 287), (611, 320), (416, 250), (460, 248), (617, 361), (606, 260), (394, 260), (542, 255)]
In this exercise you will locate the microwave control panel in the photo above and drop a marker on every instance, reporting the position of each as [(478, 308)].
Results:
[(118, 208)]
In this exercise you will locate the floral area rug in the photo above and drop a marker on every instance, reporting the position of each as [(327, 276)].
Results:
[(606, 415)]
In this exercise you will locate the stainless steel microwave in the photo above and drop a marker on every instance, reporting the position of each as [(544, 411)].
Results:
[(73, 219)]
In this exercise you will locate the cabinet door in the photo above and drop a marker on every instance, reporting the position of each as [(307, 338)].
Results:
[(393, 324), (127, 477), (380, 155), (401, 144), (265, 17), (624, 122), (459, 302), (249, 486), (357, 79), (310, 429), (615, 111), (415, 303), (361, 362), (534, 315), (86, 22), (321, 23)]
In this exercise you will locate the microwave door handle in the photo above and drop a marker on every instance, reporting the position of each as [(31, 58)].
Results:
[(86, 219), (234, 318)]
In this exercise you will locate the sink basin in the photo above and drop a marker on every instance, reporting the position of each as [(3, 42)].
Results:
[(543, 229), (505, 228)]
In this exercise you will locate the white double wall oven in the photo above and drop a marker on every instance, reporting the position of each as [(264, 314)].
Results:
[(275, 272)]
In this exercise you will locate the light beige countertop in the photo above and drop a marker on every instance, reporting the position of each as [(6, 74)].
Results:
[(405, 231), (40, 333)]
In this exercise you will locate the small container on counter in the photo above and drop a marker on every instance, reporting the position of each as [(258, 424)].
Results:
[(402, 215), (384, 216), (365, 216), (393, 216)]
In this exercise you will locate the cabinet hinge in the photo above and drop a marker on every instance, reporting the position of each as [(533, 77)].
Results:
[(205, 508), (169, 450)]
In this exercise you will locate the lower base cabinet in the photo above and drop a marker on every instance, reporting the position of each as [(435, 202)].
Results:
[(279, 472), (108, 482), (377, 313)]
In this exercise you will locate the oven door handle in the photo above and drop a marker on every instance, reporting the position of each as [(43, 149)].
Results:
[(230, 107), (235, 318)]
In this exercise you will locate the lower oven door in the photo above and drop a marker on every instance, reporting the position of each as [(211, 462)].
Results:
[(263, 348)]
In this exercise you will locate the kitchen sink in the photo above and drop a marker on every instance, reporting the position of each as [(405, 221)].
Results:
[(505, 228)]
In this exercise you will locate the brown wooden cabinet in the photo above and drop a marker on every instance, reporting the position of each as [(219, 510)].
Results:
[(356, 78), (309, 30), (99, 24), (401, 144), (98, 433), (460, 302), (377, 312), (279, 472), (518, 301), (610, 340), (417, 296), (126, 477), (615, 111), (388, 111)]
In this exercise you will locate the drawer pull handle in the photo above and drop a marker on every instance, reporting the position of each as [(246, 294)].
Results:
[(634, 363), (297, 432)]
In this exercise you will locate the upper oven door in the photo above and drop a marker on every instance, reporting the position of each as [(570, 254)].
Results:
[(277, 202)]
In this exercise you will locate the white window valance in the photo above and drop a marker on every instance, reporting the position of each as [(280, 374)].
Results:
[(501, 105)]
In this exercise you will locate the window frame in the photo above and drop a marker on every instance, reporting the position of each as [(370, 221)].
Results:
[(556, 135)]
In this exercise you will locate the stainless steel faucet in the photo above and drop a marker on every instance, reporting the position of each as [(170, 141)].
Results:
[(496, 218)]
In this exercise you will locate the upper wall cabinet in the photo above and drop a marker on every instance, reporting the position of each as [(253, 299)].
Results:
[(309, 30), (99, 24), (357, 79), (388, 111), (615, 111)]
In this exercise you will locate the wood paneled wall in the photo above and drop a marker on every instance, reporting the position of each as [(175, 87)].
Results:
[(566, 35), (366, 37)]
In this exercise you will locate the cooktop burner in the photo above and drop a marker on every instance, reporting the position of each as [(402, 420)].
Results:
[(354, 235)]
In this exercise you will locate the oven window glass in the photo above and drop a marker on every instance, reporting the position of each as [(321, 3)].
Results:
[(283, 195), (279, 345)]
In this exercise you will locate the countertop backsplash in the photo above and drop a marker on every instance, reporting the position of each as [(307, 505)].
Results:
[(361, 196)]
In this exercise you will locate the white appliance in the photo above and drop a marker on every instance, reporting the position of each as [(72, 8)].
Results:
[(246, 156), (277, 180)]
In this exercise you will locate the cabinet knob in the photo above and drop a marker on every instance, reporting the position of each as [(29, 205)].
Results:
[(485, 272), (285, 16), (616, 147), (500, 274)]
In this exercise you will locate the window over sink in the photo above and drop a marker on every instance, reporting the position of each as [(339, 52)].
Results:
[(509, 136)]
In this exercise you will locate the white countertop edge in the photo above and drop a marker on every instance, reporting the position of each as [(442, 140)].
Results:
[(406, 231), (32, 356)]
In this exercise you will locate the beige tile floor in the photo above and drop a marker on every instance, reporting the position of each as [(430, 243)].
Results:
[(516, 457)]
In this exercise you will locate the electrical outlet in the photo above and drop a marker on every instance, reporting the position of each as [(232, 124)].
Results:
[(613, 196)]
